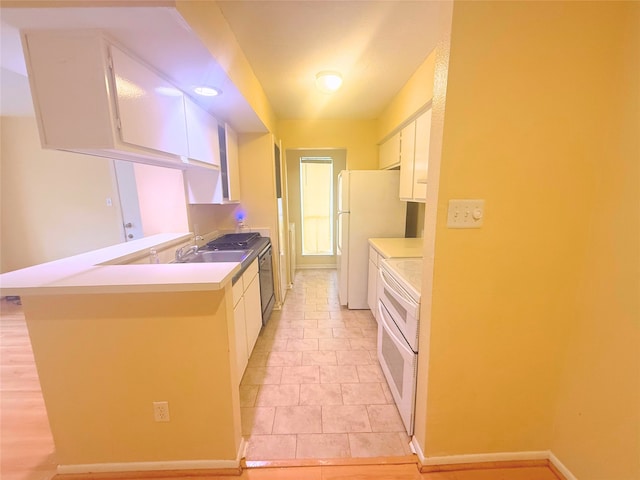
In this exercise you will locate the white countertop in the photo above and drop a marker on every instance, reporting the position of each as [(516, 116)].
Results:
[(90, 273), (397, 247)]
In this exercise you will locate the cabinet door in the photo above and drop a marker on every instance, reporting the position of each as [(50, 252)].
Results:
[(203, 185), (242, 356), (233, 167), (421, 164), (389, 152), (253, 312), (202, 134), (69, 118), (150, 109), (372, 285), (407, 151)]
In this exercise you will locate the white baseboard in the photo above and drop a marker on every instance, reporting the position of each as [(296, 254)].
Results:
[(561, 468), (316, 267), (417, 449), (155, 466), (492, 457), (487, 457)]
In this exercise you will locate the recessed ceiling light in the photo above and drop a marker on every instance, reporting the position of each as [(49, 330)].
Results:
[(328, 81), (207, 91)]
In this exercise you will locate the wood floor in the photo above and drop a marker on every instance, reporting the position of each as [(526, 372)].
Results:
[(25, 441), (27, 451)]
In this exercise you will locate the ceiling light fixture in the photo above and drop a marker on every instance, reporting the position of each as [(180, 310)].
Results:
[(328, 81), (207, 91)]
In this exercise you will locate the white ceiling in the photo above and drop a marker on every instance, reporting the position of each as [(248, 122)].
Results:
[(376, 45)]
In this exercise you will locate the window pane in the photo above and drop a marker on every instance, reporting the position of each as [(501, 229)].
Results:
[(316, 197)]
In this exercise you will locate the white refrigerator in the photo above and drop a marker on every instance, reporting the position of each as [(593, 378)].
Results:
[(368, 206)]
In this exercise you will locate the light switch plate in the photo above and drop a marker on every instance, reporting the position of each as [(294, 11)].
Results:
[(465, 214)]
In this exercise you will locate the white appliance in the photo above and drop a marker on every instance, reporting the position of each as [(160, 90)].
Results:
[(368, 206), (398, 330)]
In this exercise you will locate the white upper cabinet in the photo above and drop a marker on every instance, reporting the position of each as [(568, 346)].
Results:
[(421, 164), (389, 153), (217, 186), (407, 153), (230, 166), (202, 135), (92, 97), (150, 109), (414, 153)]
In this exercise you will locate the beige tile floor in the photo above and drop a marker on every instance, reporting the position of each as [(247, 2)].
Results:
[(313, 387)]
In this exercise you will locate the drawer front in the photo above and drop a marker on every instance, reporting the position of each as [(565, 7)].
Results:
[(373, 256), (250, 272), (238, 290)]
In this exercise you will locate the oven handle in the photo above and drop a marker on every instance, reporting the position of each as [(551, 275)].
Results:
[(400, 342), (264, 251), (395, 288)]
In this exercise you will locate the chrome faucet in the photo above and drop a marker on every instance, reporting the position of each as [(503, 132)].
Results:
[(184, 251)]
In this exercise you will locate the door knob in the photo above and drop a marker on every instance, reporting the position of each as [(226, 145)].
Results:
[(130, 235)]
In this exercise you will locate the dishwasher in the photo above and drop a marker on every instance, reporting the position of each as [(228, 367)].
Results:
[(267, 296)]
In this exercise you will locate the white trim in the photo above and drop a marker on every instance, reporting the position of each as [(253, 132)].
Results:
[(561, 468), (492, 457), (312, 266), (146, 466), (242, 450), (487, 457), (155, 466), (417, 449)]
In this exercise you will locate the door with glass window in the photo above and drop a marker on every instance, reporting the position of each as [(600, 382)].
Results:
[(316, 205)]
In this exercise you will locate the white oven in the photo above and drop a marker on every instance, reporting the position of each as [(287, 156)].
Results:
[(399, 314)]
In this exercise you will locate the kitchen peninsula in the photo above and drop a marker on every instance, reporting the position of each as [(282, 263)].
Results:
[(110, 339)]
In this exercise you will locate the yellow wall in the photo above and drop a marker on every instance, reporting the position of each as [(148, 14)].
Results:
[(597, 424), (207, 21), (258, 192), (415, 94), (358, 137), (104, 359), (534, 317), (53, 203)]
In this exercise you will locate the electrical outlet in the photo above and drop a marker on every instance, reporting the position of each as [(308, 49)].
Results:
[(161, 412), (465, 213)]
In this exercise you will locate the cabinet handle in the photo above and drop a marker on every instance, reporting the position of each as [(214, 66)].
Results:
[(128, 225)]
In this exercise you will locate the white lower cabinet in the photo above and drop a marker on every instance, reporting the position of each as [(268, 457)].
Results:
[(242, 357), (372, 286), (252, 312), (247, 315)]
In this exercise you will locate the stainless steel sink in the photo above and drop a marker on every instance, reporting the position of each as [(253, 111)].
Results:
[(202, 256)]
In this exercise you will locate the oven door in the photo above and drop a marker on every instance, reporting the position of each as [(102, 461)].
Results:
[(403, 309), (399, 364), (267, 293)]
